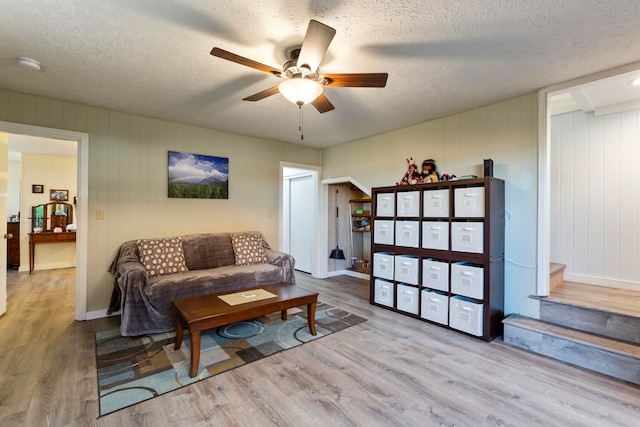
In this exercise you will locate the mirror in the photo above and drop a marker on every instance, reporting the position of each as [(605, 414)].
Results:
[(51, 215)]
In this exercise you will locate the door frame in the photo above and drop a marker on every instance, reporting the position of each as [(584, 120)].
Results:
[(287, 181), (313, 211), (82, 215), (544, 166), (323, 226)]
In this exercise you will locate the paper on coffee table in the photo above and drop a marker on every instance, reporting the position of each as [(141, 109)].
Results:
[(246, 296)]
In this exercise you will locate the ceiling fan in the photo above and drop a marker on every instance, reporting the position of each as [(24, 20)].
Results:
[(302, 82)]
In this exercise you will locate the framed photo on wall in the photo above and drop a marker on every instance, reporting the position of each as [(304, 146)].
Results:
[(37, 188), (196, 176), (59, 195)]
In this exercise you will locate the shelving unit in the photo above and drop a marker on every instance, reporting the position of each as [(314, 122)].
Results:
[(438, 253), (360, 229)]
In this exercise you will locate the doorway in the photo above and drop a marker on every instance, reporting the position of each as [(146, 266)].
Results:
[(587, 125), (80, 210), (36, 167), (299, 215), (297, 225)]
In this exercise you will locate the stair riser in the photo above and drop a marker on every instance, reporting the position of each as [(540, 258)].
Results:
[(556, 281), (611, 325), (618, 366)]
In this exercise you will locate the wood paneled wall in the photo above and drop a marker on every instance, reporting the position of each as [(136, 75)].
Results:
[(595, 197), (128, 178), (506, 132)]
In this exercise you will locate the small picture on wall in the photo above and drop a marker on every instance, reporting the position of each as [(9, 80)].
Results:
[(59, 195), (37, 188), (196, 176)]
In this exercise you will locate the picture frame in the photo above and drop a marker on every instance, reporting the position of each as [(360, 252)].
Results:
[(197, 176), (59, 195), (37, 188)]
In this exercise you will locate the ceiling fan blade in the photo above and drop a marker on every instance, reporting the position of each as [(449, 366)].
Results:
[(322, 104), (315, 44), (224, 54), (261, 95), (356, 80)]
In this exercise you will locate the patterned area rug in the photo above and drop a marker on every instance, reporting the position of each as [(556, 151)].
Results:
[(133, 370)]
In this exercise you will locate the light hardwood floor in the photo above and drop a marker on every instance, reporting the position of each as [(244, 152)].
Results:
[(388, 371)]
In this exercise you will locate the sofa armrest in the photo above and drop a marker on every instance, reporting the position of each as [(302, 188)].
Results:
[(130, 282), (285, 261), (131, 267)]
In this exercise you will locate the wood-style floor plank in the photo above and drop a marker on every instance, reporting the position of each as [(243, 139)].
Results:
[(391, 370), (604, 298)]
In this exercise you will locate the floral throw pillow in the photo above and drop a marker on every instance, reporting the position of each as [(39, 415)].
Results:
[(248, 249), (162, 256)]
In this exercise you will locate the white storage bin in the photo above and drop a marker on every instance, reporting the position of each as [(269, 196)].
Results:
[(467, 237), (465, 315), (435, 235), (408, 203), (436, 203), (383, 292), (385, 204), (435, 306), (407, 233), (406, 269), (383, 231), (468, 202), (407, 299), (435, 274), (383, 265), (467, 280)]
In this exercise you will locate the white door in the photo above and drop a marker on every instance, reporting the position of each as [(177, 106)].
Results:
[(4, 144), (301, 221)]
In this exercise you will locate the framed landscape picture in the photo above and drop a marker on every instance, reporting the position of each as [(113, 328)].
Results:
[(196, 176)]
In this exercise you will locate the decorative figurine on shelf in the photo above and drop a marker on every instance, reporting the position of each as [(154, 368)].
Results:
[(447, 177), (429, 172), (411, 176)]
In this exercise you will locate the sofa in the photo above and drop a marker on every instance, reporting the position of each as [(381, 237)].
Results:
[(150, 273)]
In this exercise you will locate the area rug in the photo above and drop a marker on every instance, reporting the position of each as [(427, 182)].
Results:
[(131, 370)]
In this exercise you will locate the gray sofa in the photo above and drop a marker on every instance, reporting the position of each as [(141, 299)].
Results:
[(210, 260)]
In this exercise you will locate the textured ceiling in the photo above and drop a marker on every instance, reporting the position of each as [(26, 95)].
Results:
[(152, 57)]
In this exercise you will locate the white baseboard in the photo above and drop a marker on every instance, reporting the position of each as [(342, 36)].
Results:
[(347, 273), (356, 274), (52, 266), (601, 281), (336, 273)]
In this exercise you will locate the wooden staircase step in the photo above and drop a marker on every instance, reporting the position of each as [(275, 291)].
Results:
[(605, 355), (623, 301), (556, 268), (608, 312), (556, 275)]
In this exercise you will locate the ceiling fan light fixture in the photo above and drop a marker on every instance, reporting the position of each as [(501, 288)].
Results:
[(300, 91)]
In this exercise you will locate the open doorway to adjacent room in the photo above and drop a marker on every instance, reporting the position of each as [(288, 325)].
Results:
[(589, 180), (299, 215)]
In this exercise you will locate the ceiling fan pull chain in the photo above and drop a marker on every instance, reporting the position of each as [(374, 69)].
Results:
[(300, 123)]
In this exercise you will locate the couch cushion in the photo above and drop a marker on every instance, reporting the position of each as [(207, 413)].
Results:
[(162, 256), (248, 248), (203, 251)]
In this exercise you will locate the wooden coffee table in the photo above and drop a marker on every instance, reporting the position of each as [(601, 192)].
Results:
[(209, 311)]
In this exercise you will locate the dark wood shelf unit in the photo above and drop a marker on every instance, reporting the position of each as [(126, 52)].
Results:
[(491, 259)]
